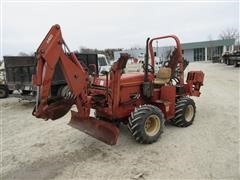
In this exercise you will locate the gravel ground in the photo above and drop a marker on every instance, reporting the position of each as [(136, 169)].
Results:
[(209, 149)]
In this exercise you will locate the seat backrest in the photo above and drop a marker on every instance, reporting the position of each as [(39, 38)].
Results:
[(163, 76)]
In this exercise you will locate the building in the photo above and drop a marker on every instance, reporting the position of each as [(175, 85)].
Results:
[(206, 50), (195, 51)]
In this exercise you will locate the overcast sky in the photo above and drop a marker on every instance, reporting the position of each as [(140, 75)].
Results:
[(112, 25)]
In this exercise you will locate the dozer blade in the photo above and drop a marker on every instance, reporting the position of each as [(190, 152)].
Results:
[(98, 129)]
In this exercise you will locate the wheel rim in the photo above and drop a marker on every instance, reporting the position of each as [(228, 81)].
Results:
[(2, 93), (152, 125), (189, 113)]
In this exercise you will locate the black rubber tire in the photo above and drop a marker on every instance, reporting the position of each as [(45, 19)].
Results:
[(180, 109), (10, 91), (137, 120), (3, 92), (228, 62), (24, 92), (236, 64)]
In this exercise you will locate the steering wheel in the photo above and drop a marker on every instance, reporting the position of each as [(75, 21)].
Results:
[(166, 63), (150, 68)]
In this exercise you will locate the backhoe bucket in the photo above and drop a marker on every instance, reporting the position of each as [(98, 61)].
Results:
[(98, 129), (56, 108)]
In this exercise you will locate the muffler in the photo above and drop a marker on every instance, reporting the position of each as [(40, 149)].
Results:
[(101, 130)]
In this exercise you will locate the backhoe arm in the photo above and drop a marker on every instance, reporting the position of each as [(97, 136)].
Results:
[(49, 53)]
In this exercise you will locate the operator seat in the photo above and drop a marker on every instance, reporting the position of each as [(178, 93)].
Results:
[(163, 76)]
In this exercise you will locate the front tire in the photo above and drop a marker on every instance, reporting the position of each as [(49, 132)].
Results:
[(185, 110), (146, 124)]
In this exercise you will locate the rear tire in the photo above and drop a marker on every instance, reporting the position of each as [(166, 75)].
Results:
[(26, 93), (236, 64), (3, 92), (10, 91), (185, 110), (146, 124)]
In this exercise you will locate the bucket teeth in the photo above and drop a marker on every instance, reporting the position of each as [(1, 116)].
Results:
[(101, 130)]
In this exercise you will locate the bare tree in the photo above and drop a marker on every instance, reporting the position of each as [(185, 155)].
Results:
[(23, 54), (87, 50), (109, 53), (135, 46), (230, 33), (32, 54)]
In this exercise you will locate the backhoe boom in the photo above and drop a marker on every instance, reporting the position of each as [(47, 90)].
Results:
[(49, 53)]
